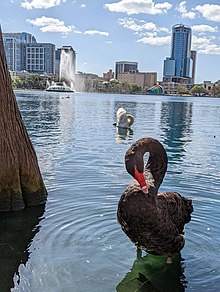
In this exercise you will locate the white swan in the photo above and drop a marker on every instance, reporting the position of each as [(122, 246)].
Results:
[(124, 119)]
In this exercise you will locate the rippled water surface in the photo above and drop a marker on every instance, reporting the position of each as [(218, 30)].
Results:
[(76, 244)]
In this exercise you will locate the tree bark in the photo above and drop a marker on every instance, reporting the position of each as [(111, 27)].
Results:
[(21, 183)]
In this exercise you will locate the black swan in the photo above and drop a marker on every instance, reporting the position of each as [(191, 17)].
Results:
[(153, 221)]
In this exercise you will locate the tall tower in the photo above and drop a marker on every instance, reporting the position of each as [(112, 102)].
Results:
[(193, 58), (181, 48), (180, 66)]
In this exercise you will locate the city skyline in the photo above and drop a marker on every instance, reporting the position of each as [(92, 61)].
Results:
[(106, 32)]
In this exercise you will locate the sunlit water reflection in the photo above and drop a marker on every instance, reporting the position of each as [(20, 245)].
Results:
[(76, 244)]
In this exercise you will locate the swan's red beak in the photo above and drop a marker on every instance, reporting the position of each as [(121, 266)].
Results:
[(139, 176)]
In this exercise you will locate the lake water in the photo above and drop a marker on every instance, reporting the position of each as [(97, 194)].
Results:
[(76, 244)]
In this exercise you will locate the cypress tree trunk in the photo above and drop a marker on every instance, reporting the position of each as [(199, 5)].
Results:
[(21, 183)]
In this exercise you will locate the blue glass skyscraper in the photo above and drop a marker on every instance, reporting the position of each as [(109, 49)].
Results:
[(179, 65), (181, 48)]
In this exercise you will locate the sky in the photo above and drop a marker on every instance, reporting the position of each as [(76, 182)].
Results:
[(103, 32)]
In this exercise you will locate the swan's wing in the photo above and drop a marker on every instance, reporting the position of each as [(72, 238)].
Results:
[(130, 120), (122, 120)]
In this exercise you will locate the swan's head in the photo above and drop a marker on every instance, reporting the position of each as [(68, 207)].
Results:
[(136, 169)]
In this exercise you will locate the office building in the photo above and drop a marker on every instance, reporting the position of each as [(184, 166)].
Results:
[(20, 37), (180, 66), (40, 58), (125, 66), (15, 49), (181, 48), (142, 79), (169, 67), (24, 53)]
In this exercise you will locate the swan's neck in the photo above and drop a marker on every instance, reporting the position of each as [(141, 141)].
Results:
[(155, 169), (156, 166)]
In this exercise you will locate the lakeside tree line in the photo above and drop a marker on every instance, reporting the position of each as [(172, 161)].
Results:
[(32, 81), (35, 81)]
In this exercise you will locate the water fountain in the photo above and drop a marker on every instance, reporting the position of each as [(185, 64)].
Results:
[(67, 66), (67, 71)]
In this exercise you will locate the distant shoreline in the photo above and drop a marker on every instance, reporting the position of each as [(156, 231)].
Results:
[(175, 95)]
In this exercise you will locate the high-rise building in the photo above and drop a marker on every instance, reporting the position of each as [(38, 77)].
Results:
[(193, 58), (125, 66), (181, 48), (14, 49), (20, 37), (40, 58), (181, 64), (169, 67), (24, 53)]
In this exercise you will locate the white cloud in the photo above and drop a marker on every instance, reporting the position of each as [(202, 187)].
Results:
[(155, 41), (189, 14), (211, 49), (205, 45), (41, 4), (163, 29), (142, 28), (181, 8), (53, 28), (146, 31), (146, 34), (94, 32), (204, 28), (135, 24), (139, 6), (209, 11), (48, 24), (83, 6), (200, 42)]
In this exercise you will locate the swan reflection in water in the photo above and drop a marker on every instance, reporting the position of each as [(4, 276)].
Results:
[(151, 274), (123, 134), (17, 232)]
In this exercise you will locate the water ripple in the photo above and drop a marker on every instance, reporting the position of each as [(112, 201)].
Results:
[(80, 246)]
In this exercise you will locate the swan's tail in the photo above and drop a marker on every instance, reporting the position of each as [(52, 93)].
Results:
[(188, 208)]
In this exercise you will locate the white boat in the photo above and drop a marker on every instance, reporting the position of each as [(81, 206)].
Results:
[(59, 87)]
